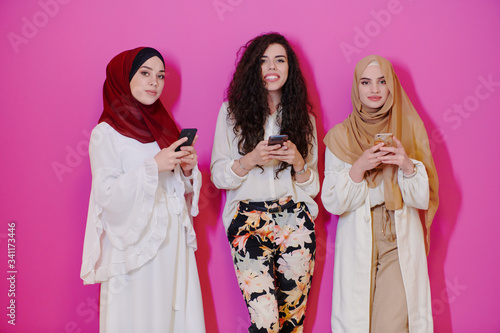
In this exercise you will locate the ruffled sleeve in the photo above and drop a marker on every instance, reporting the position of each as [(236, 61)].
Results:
[(340, 194), (124, 230), (190, 195), (193, 187), (123, 199)]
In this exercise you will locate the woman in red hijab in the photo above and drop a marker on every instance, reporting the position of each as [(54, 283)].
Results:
[(139, 240)]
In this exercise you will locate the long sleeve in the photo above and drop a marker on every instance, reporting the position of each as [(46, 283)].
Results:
[(312, 186), (192, 188), (340, 194), (415, 190), (125, 198), (131, 205), (223, 176)]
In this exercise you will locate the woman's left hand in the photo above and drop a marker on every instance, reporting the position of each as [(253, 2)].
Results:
[(188, 162), (397, 156), (288, 153)]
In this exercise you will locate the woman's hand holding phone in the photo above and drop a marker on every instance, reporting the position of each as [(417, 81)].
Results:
[(189, 161), (396, 155), (178, 153), (369, 160), (189, 133), (168, 157), (261, 154)]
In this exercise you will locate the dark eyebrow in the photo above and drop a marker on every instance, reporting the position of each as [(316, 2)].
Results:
[(147, 67), (278, 56), (365, 78)]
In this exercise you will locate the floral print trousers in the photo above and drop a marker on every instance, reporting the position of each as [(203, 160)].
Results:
[(273, 245)]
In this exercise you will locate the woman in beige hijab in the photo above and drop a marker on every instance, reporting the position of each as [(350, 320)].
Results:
[(379, 191)]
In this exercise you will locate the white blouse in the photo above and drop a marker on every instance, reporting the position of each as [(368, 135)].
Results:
[(258, 185), (131, 203)]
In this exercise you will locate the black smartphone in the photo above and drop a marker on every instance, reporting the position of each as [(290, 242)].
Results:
[(277, 139), (190, 134)]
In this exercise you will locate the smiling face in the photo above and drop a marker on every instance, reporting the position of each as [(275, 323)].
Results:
[(373, 90), (147, 83), (274, 67)]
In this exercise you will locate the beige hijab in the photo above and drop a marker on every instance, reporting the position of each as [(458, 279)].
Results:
[(349, 139)]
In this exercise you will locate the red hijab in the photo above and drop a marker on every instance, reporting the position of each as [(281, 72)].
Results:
[(145, 123)]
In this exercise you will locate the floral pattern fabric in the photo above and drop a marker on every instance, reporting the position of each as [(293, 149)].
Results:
[(273, 254)]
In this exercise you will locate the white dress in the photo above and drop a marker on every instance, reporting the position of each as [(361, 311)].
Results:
[(353, 246), (139, 240)]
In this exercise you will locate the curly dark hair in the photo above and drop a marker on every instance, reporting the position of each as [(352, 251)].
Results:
[(248, 104)]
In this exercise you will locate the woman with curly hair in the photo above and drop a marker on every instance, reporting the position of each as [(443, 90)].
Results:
[(269, 212)]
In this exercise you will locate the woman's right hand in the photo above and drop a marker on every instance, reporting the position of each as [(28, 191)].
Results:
[(168, 158), (370, 159)]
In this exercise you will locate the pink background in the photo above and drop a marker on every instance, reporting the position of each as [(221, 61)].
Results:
[(53, 56)]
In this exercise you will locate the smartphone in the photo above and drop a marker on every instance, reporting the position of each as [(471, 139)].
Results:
[(277, 139), (190, 134), (386, 138)]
